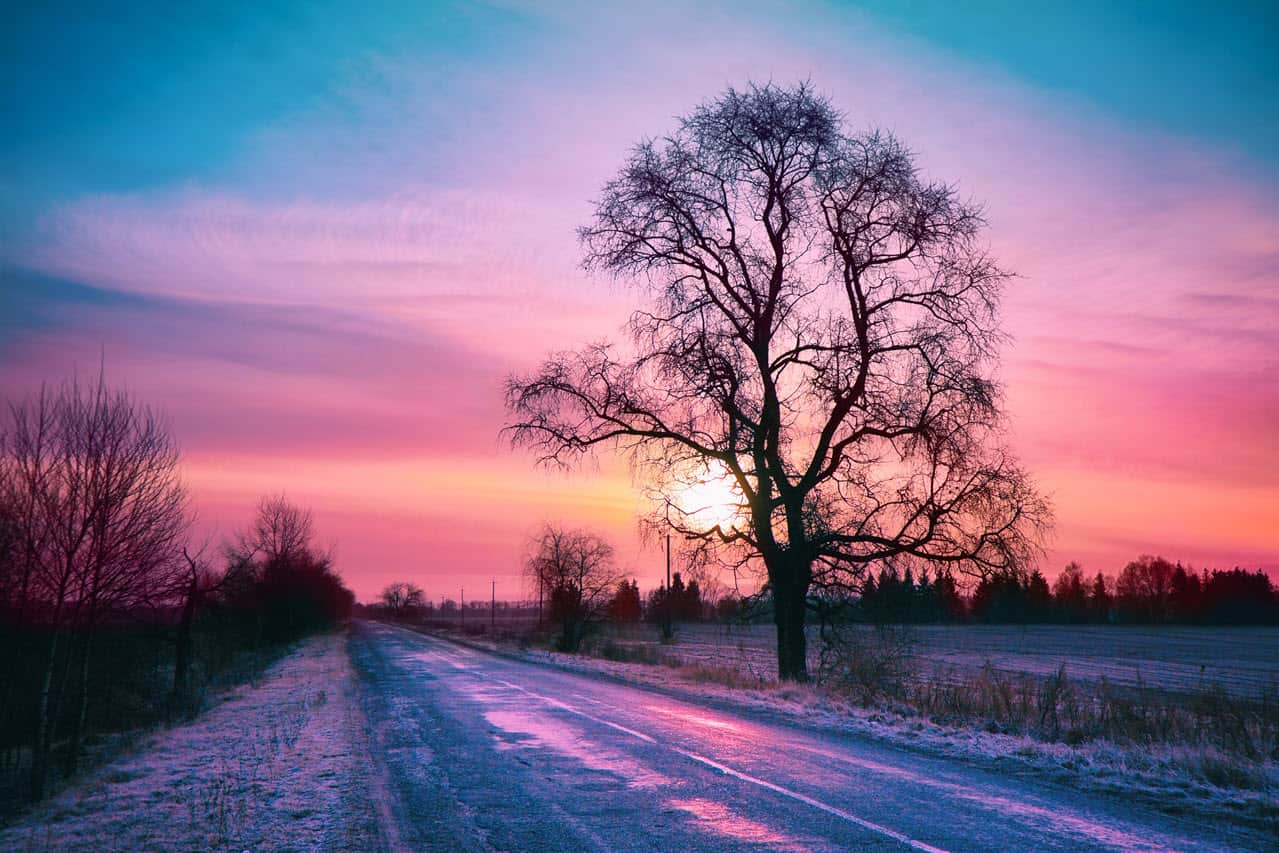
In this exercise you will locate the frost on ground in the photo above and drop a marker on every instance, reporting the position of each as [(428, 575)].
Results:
[(281, 765), (1182, 658), (1181, 780)]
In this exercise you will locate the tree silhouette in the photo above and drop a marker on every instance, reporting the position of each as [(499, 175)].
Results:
[(91, 479), (1100, 599), (626, 605), (278, 581), (1144, 589), (1240, 597), (683, 602), (1070, 595), (280, 531), (821, 328), (1038, 597), (1186, 596), (575, 568), (402, 598)]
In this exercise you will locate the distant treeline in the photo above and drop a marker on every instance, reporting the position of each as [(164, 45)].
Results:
[(108, 622), (1149, 590), (622, 603)]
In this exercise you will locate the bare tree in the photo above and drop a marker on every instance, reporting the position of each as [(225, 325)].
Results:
[(27, 457), (101, 512), (11, 586), (576, 570), (821, 328), (288, 585), (401, 598), (14, 573), (281, 531)]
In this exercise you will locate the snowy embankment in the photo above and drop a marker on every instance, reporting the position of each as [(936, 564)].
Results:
[(286, 759)]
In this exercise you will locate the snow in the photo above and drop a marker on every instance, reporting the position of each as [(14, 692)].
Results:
[(1241, 660), (285, 759), (289, 758), (1169, 777)]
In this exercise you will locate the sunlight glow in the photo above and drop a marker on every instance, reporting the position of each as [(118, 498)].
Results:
[(710, 501)]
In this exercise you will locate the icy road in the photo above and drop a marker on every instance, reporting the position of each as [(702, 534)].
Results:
[(484, 752)]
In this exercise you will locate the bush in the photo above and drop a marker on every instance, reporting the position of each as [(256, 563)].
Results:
[(869, 661)]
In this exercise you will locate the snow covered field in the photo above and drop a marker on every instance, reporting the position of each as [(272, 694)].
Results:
[(1243, 661), (281, 765)]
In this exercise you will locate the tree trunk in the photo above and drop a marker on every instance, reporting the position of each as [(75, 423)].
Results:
[(182, 656), (571, 638), (790, 597), (82, 704), (40, 746)]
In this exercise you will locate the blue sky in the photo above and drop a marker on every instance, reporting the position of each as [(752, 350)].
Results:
[(109, 97), (1209, 70)]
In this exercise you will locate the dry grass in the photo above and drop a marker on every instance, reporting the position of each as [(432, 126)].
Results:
[(1211, 724)]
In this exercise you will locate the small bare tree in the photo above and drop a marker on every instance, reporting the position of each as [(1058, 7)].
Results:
[(402, 598), (821, 329), (281, 531), (576, 571)]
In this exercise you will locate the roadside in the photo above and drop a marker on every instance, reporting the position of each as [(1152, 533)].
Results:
[(285, 759), (1167, 778)]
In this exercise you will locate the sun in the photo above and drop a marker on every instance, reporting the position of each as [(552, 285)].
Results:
[(711, 501)]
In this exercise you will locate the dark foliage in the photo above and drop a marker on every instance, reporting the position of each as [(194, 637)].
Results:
[(901, 599), (1150, 590), (681, 603), (576, 572), (626, 605), (156, 660)]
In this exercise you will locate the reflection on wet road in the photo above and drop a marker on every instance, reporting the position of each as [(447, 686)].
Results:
[(484, 752)]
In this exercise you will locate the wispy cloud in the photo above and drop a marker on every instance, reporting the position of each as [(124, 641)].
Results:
[(364, 274)]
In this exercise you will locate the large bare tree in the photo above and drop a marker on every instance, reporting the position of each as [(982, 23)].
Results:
[(819, 326), (92, 477)]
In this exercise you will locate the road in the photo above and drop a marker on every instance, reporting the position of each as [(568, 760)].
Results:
[(483, 752)]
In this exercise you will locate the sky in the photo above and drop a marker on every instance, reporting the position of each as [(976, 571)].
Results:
[(320, 236)]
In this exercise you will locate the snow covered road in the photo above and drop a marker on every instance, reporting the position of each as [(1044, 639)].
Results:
[(480, 751)]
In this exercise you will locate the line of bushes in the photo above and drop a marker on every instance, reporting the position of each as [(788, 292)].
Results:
[(107, 622)]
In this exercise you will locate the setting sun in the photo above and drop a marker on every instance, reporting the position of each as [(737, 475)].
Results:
[(712, 501)]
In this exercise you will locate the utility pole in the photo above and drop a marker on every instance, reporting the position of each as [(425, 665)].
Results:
[(462, 609), (668, 604), (668, 559), (493, 609)]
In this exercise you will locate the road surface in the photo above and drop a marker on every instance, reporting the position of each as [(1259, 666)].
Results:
[(482, 752)]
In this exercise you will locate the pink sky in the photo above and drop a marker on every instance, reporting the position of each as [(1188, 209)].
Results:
[(335, 315)]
